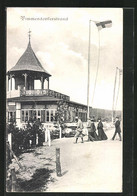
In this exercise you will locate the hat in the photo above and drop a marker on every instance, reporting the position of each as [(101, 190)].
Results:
[(117, 117), (99, 118), (92, 119)]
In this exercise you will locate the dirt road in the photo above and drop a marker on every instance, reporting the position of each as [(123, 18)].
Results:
[(89, 167)]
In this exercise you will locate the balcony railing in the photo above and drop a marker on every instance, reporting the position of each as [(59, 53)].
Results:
[(44, 92), (37, 92)]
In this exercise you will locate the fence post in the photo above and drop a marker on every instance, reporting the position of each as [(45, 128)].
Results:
[(46, 138), (8, 154), (13, 180), (60, 131), (10, 139), (58, 166), (49, 139), (37, 138)]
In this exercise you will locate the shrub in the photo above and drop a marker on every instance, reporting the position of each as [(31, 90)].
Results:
[(21, 137)]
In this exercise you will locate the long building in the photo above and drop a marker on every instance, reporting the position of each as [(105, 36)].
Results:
[(25, 102)]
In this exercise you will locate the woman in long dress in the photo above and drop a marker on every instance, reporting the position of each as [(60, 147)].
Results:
[(93, 130), (101, 133)]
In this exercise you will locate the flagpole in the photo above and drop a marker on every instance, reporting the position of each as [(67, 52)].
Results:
[(97, 66), (88, 72), (101, 25)]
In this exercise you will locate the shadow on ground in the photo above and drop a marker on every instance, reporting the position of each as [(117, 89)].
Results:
[(39, 179)]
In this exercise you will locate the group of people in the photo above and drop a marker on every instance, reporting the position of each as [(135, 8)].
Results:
[(92, 135)]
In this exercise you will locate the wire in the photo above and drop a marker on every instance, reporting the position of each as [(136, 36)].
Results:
[(118, 88), (114, 90)]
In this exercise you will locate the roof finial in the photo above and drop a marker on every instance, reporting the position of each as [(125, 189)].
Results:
[(29, 34)]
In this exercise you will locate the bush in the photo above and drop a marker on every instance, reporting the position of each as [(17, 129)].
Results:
[(21, 137)]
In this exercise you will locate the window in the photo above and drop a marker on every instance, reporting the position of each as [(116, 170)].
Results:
[(51, 115), (47, 116), (38, 113), (22, 115), (11, 116), (55, 116), (30, 115), (34, 115), (26, 116), (42, 116)]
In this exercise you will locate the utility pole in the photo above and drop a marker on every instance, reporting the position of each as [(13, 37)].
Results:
[(114, 94)]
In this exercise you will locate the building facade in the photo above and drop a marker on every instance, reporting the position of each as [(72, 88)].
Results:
[(26, 103)]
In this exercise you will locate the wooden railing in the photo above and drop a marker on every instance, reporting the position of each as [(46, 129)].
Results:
[(44, 92)]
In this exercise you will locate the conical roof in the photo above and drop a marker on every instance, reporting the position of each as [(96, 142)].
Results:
[(29, 62)]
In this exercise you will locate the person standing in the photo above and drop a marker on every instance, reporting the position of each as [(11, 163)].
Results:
[(101, 133), (117, 129), (79, 130), (93, 130), (89, 127)]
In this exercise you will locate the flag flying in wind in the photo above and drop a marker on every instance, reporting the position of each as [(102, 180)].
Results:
[(104, 24)]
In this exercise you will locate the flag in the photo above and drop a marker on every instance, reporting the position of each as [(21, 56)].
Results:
[(104, 24)]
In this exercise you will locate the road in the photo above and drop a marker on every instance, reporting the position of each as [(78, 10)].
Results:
[(89, 167)]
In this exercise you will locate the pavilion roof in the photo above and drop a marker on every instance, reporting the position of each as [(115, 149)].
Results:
[(29, 62)]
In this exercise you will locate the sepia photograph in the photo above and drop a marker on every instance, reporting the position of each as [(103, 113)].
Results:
[(64, 99)]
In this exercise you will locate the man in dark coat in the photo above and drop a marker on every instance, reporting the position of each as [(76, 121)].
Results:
[(117, 129)]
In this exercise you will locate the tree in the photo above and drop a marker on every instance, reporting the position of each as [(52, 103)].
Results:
[(60, 116)]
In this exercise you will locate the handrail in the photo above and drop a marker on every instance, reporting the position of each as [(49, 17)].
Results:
[(43, 92)]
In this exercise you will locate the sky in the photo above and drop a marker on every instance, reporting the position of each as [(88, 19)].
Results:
[(62, 48)]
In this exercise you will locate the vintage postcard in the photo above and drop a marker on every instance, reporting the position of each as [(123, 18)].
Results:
[(64, 100)]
